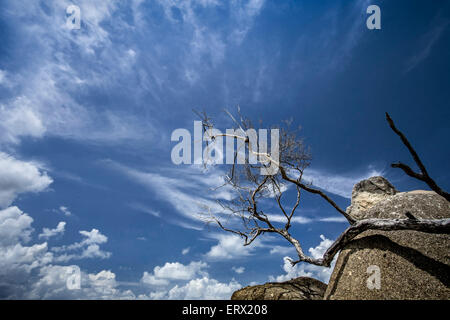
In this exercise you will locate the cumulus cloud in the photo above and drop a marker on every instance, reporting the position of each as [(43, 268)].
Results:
[(17, 259), (174, 271), (52, 284), (200, 289), (230, 246), (31, 271), (15, 226), (87, 248), (18, 177), (177, 281), (48, 233)]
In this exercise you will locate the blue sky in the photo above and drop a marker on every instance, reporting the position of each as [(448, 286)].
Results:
[(86, 177)]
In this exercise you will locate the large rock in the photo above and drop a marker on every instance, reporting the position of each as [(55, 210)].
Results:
[(302, 288), (368, 192), (412, 264)]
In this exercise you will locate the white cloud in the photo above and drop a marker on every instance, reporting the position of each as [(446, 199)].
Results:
[(65, 210), (333, 219), (201, 289), (18, 176), (174, 271), (89, 247), (177, 281), (305, 220), (151, 280), (238, 270), (15, 226), (30, 272), (282, 250), (185, 251), (17, 261), (308, 270), (229, 247), (52, 284), (48, 233), (20, 119), (295, 219)]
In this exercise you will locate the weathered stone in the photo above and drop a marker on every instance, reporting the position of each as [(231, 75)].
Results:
[(368, 192), (412, 264), (302, 288)]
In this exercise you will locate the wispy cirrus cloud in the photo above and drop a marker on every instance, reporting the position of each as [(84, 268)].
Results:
[(185, 189), (49, 96), (427, 43), (339, 184)]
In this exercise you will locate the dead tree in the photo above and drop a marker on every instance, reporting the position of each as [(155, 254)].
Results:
[(254, 191)]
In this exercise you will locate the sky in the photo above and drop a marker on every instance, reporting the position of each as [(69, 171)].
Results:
[(86, 116)]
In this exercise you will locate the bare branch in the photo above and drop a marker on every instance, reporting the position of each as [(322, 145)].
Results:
[(423, 176), (319, 192), (438, 226)]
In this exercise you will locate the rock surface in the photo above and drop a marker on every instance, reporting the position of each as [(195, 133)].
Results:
[(412, 264), (368, 192), (302, 288)]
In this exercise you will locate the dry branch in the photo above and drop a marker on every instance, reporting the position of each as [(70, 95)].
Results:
[(423, 175), (440, 226)]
